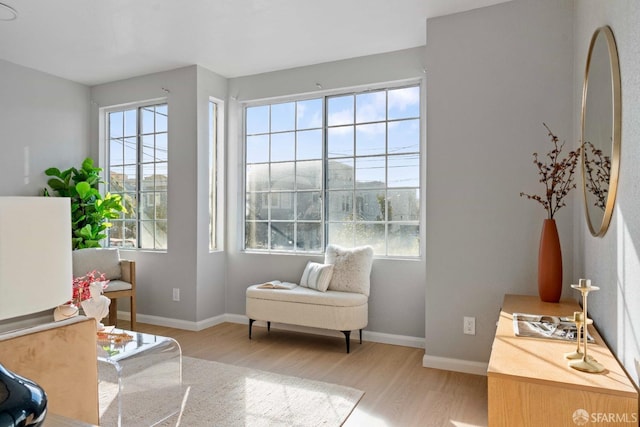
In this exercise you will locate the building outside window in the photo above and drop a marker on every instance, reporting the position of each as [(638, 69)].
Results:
[(341, 169), (137, 169)]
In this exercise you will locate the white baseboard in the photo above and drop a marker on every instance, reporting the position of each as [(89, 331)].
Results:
[(406, 341), (456, 365)]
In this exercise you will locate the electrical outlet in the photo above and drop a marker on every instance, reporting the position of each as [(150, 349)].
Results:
[(469, 326), (176, 294)]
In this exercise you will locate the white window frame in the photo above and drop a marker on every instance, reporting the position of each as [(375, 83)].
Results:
[(105, 163), (420, 83)]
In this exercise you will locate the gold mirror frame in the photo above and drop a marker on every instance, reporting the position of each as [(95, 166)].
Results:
[(599, 230)]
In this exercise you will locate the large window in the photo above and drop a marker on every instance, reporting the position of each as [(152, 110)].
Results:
[(341, 169), (137, 146)]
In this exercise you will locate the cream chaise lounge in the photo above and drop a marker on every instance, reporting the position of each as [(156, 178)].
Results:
[(341, 306)]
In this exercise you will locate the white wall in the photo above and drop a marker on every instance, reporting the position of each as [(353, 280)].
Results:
[(494, 75), (613, 262), (397, 287), (47, 114)]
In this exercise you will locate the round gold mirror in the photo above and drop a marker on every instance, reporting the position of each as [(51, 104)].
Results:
[(601, 128)]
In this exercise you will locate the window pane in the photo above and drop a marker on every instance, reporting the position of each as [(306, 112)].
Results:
[(341, 234), (256, 235), (309, 205), (309, 114), (403, 205), (404, 240), (116, 124), (256, 207), (148, 177), (340, 141), (340, 173), (283, 117), (148, 148), (309, 145), (257, 120), (282, 206), (147, 206), (161, 205), (340, 205), (340, 110), (283, 146), (404, 136), (161, 118), (282, 235), (161, 235), (404, 170), (370, 234), (162, 176), (282, 176), (404, 103), (130, 151), (370, 139), (309, 175), (147, 234), (370, 172), (257, 177), (130, 123), (130, 234), (116, 179), (309, 236), (370, 205), (131, 204), (162, 147), (148, 123), (116, 151), (371, 107), (257, 149)]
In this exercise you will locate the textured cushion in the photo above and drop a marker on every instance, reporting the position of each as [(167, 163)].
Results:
[(317, 276), (306, 296), (103, 260), (351, 268), (117, 285)]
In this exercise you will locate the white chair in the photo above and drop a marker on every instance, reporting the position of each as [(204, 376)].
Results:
[(120, 273)]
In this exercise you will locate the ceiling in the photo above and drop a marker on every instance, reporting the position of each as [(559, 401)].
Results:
[(93, 42)]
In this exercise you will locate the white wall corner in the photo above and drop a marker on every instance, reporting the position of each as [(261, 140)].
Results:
[(456, 365)]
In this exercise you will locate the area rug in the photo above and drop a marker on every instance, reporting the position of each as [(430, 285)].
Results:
[(218, 394)]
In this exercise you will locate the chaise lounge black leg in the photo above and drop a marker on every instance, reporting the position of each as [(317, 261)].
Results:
[(360, 336), (347, 336), (268, 326), (250, 325)]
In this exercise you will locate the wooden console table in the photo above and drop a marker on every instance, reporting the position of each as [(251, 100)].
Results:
[(530, 383)]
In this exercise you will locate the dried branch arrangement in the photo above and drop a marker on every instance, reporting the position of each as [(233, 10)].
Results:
[(556, 174)]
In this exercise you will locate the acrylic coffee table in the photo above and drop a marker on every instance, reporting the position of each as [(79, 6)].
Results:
[(140, 379)]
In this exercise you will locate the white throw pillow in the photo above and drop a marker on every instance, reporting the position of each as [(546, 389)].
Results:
[(351, 268), (317, 276)]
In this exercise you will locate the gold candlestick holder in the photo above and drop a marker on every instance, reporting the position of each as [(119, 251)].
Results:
[(584, 362)]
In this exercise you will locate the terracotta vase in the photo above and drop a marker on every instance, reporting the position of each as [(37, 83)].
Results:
[(549, 263)]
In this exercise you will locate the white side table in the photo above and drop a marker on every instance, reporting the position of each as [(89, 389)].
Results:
[(140, 380)]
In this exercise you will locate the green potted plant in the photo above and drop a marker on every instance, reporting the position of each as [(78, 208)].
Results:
[(90, 211)]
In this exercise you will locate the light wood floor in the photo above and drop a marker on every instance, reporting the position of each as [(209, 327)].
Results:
[(398, 390)]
